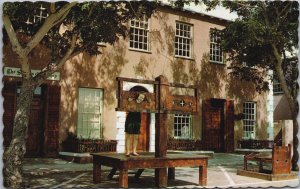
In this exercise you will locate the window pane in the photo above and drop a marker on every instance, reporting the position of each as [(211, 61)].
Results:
[(140, 29), (182, 126), (89, 113), (183, 40)]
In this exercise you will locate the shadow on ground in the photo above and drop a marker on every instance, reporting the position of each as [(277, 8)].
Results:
[(84, 179)]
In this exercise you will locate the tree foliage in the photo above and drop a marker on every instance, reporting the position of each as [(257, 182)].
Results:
[(91, 22), (69, 29), (262, 28), (263, 38)]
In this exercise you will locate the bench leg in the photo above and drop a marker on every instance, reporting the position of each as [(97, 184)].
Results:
[(171, 173), (112, 173), (161, 177), (260, 167), (96, 172), (245, 165), (203, 175), (123, 178)]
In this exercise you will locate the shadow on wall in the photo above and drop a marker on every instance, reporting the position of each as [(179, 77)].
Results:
[(143, 67), (167, 40), (210, 79), (240, 90), (94, 72)]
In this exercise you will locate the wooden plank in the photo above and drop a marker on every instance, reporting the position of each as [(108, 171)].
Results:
[(128, 102), (265, 176), (142, 81)]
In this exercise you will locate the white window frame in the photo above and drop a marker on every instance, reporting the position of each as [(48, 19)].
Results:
[(90, 111), (182, 124), (277, 87), (183, 44), (140, 34), (249, 119), (216, 54), (39, 15)]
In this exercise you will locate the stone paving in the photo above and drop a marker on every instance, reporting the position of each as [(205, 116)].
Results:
[(57, 173)]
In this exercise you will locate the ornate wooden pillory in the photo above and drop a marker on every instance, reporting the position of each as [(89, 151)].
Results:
[(161, 102)]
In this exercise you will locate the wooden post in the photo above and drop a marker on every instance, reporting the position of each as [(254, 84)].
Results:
[(96, 171), (123, 178), (161, 128), (161, 177), (203, 175)]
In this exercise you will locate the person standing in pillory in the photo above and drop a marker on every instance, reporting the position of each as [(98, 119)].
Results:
[(132, 131)]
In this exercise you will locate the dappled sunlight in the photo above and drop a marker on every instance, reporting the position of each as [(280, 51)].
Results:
[(212, 79), (92, 72)]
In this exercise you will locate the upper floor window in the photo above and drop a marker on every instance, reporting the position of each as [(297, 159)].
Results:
[(183, 40), (276, 86), (249, 120), (40, 14), (215, 53), (182, 126), (139, 34), (90, 110)]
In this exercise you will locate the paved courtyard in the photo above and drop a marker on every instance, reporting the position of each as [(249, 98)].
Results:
[(222, 168)]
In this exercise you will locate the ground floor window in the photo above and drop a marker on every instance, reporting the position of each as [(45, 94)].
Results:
[(182, 126), (249, 120), (90, 109)]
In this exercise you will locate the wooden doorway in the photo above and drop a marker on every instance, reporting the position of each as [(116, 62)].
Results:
[(218, 125), (213, 124), (43, 127), (144, 136), (35, 141)]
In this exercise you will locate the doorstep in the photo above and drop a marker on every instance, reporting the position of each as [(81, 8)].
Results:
[(247, 151), (76, 157)]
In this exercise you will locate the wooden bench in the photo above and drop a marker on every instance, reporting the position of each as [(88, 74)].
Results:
[(118, 161), (280, 159)]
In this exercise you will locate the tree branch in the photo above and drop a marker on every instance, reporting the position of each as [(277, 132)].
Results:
[(16, 46), (53, 67), (285, 10), (48, 24), (52, 8)]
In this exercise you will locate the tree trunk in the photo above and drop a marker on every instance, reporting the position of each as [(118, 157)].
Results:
[(13, 156), (292, 104)]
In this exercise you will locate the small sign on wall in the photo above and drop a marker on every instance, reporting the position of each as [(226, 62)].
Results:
[(16, 72)]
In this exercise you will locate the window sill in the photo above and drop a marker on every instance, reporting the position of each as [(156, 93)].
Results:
[(278, 93), (182, 57), (217, 63), (140, 50)]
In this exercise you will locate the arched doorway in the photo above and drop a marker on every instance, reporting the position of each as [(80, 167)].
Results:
[(144, 137)]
